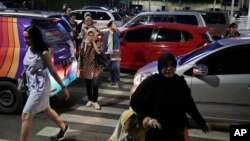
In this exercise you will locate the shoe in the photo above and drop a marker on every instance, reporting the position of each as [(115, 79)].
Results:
[(113, 84), (89, 103), (119, 84), (62, 133), (97, 106)]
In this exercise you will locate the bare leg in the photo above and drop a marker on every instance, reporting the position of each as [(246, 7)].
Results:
[(26, 126), (51, 113)]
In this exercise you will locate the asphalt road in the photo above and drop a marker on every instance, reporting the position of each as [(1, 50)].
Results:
[(87, 124)]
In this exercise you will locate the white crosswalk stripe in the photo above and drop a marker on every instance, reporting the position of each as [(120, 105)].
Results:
[(89, 120), (108, 116)]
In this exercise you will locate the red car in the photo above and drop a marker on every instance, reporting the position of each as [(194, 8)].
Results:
[(143, 44)]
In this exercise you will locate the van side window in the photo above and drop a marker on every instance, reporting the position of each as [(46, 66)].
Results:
[(168, 35), (102, 16), (163, 18), (139, 35), (214, 18), (186, 19)]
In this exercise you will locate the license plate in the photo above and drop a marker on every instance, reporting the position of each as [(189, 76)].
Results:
[(66, 62)]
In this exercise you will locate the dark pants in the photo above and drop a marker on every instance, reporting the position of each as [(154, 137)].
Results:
[(92, 89), (114, 70)]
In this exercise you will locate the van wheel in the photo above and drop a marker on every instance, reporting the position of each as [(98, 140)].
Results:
[(10, 100)]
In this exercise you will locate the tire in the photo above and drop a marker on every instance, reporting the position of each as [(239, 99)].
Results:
[(10, 100)]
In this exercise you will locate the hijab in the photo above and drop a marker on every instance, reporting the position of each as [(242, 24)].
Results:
[(166, 59), (119, 134)]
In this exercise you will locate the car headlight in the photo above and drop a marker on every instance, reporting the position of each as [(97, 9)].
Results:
[(140, 77)]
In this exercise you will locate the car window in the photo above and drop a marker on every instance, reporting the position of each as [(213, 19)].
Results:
[(168, 35), (102, 16), (139, 35), (214, 18), (233, 60), (80, 15), (116, 16), (187, 36), (187, 19)]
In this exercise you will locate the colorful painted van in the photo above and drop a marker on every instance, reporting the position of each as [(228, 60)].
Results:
[(56, 34)]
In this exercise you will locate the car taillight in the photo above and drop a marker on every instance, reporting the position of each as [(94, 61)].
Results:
[(99, 37)]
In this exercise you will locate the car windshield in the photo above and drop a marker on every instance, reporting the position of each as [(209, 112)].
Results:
[(183, 59)]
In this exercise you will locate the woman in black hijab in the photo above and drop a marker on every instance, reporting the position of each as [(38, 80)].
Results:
[(162, 101)]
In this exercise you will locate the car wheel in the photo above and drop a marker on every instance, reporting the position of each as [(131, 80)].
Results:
[(10, 100)]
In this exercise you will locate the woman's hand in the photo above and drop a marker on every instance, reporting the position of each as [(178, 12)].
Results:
[(65, 93), (145, 122), (154, 124), (206, 128)]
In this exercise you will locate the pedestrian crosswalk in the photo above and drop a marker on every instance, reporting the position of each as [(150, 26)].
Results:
[(98, 123), (88, 124)]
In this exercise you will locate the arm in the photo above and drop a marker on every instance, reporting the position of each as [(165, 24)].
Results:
[(48, 63)]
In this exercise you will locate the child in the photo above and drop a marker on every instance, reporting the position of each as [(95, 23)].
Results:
[(126, 128)]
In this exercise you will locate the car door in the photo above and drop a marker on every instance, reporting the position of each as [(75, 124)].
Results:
[(133, 47), (225, 92), (165, 39)]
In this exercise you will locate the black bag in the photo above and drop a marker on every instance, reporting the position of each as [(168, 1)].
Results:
[(100, 60), (22, 84)]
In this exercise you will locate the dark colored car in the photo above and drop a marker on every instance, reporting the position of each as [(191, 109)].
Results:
[(143, 44)]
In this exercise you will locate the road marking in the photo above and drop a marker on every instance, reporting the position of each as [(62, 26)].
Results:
[(72, 134), (114, 92), (52, 131), (104, 91), (127, 80), (89, 120), (223, 136), (102, 99), (126, 75), (106, 110), (124, 86)]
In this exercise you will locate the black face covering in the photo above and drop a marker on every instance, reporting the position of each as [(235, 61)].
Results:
[(166, 60)]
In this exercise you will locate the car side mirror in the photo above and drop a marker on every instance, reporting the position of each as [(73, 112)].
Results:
[(199, 70)]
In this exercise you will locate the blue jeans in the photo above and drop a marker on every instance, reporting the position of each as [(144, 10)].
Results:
[(114, 70)]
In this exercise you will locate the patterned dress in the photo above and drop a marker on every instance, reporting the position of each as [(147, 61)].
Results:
[(38, 83), (90, 68)]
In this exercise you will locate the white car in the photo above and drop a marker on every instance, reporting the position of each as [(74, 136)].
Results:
[(219, 78), (190, 18), (100, 17)]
